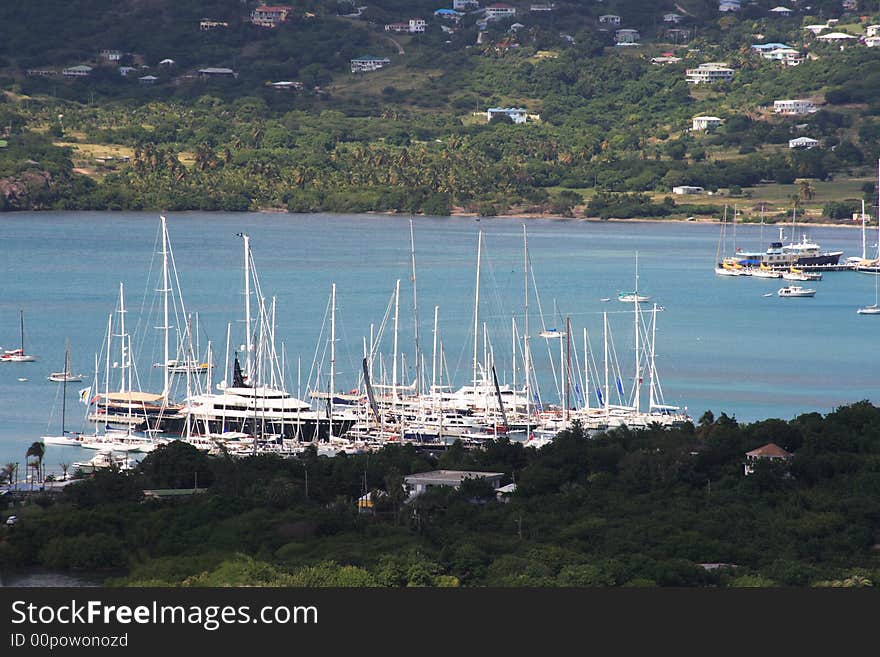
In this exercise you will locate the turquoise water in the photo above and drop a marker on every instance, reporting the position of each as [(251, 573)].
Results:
[(721, 345)]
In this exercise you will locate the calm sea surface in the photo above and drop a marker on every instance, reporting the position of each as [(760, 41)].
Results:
[(721, 344)]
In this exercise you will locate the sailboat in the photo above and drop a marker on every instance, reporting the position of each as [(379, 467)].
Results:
[(633, 297), (873, 309), (727, 266), (68, 438), (18, 355), (66, 374)]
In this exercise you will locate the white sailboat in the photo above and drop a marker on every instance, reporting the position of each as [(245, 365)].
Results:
[(18, 355), (67, 438), (873, 309), (66, 374)]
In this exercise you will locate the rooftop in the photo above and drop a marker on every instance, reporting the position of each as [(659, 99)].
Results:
[(770, 450)]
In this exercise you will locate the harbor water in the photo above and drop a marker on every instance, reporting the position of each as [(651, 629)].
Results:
[(722, 343)]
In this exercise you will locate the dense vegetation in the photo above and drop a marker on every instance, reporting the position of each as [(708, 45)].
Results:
[(625, 508), (413, 136)]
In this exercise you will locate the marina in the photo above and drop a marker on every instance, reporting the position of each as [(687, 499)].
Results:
[(478, 392)]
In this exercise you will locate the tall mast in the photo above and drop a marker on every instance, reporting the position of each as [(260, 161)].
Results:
[(332, 342), (394, 365), (586, 373), (21, 324), (864, 252), (434, 352), (412, 244), (638, 380), (513, 349), (226, 365), (166, 379), (878, 210), (605, 326), (477, 309), (526, 369), (247, 304), (107, 370), (653, 366), (122, 345), (567, 366), (64, 382)]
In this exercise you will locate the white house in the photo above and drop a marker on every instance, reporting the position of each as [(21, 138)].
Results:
[(609, 19), (500, 11), (413, 26), (687, 189), (705, 123), (418, 483), (125, 70), (709, 73), (626, 37), (803, 142), (729, 5), (148, 79), (367, 63), (542, 7), (207, 24), (793, 107), (872, 42), (516, 114), (781, 11), (672, 18), (81, 71), (850, 5), (815, 29), (665, 58), (465, 5), (270, 15), (872, 30), (835, 37), (109, 55), (215, 72)]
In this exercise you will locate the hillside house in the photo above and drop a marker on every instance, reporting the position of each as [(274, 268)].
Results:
[(803, 142), (500, 11), (687, 189), (815, 29), (109, 55), (849, 5), (626, 37), (541, 8), (767, 47), (81, 71), (213, 72), (783, 12), (125, 70), (729, 5), (794, 107), (286, 85), (836, 37), (677, 34), (769, 452), (673, 18), (167, 62), (872, 30), (465, 5), (872, 42), (41, 72), (788, 56), (516, 114), (705, 123), (147, 79), (270, 16), (665, 58), (366, 63), (709, 73), (448, 14), (412, 26), (208, 24), (609, 19), (420, 482)]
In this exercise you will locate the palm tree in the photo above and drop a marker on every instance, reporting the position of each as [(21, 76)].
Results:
[(38, 451), (807, 191), (64, 469)]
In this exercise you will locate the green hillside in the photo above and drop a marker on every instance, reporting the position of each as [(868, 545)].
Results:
[(609, 132)]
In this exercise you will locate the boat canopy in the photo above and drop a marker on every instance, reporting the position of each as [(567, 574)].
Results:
[(133, 396)]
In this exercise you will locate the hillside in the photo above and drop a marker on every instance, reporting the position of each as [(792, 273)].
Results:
[(198, 121)]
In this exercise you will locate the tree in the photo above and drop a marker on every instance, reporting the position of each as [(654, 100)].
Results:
[(38, 451), (806, 190)]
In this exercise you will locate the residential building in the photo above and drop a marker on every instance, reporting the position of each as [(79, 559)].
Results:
[(367, 63), (872, 30), (81, 71), (449, 14), (110, 55), (729, 5), (665, 58), (41, 72), (465, 5), (687, 189), (767, 47), (413, 26), (207, 24), (672, 18), (516, 114), (793, 107), (148, 79), (803, 142), (769, 452), (709, 73), (873, 41), (167, 62), (850, 5), (500, 11), (788, 56), (609, 19), (781, 11), (835, 37), (212, 72), (705, 123), (125, 70), (542, 7), (270, 15), (418, 483), (626, 37), (815, 29), (677, 34), (286, 85)]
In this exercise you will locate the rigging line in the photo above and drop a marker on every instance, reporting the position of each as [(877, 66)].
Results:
[(317, 347)]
